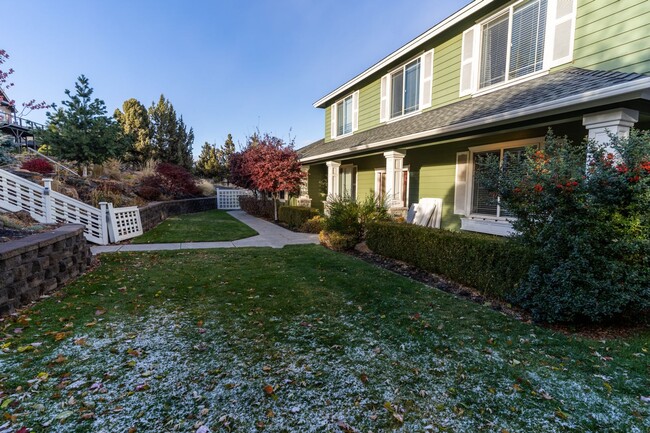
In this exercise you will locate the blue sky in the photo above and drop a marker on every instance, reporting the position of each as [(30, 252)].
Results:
[(227, 66)]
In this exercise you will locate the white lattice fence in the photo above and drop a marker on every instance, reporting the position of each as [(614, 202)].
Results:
[(18, 194), (68, 210), (229, 198), (125, 223)]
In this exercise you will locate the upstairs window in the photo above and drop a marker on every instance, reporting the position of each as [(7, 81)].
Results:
[(512, 44), (529, 36), (345, 116), (405, 86)]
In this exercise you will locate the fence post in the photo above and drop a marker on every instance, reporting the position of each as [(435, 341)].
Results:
[(104, 221), (47, 204)]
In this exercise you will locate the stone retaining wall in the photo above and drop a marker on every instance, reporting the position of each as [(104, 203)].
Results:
[(155, 213), (38, 264)]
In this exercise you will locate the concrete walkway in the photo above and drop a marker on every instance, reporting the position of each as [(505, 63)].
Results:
[(270, 235)]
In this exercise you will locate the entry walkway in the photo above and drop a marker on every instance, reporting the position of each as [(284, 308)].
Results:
[(270, 235)]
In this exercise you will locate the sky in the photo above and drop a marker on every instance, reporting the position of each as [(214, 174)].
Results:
[(227, 66)]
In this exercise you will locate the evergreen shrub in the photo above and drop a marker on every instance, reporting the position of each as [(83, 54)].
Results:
[(296, 216)]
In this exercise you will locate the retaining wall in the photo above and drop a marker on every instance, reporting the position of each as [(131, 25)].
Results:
[(154, 213), (41, 263)]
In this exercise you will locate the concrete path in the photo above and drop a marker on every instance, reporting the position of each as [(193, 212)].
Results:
[(270, 235)]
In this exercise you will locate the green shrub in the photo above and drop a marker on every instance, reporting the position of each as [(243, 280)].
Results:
[(296, 216), (260, 207), (337, 241), (349, 217), (313, 225), (588, 224), (490, 264)]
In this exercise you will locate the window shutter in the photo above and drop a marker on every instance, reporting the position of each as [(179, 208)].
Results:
[(469, 60), (385, 99), (561, 25), (333, 115), (460, 190), (355, 111), (426, 79)]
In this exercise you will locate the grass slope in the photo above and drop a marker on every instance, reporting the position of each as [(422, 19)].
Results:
[(210, 226), (300, 340)]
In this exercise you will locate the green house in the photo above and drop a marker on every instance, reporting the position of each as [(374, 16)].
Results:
[(491, 78)]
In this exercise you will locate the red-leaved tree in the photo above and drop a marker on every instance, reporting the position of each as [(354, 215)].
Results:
[(267, 165)]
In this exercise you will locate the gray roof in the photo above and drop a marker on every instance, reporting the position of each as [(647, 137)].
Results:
[(568, 82)]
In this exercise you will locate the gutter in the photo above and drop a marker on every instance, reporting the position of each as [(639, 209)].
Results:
[(638, 89)]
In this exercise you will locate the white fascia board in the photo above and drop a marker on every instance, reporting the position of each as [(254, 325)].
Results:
[(638, 89), (454, 19)]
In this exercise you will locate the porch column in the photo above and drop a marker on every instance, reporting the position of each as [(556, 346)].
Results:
[(332, 178), (617, 121), (394, 182)]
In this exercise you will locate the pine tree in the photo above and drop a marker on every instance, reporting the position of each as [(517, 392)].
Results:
[(224, 155), (170, 140), (81, 131), (135, 124), (208, 164)]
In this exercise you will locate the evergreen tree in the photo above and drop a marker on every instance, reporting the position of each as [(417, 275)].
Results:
[(224, 155), (80, 130), (208, 164), (170, 140), (135, 124)]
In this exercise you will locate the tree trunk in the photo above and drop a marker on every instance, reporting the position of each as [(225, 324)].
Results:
[(275, 206)]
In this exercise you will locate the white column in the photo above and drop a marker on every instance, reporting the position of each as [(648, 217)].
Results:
[(617, 121), (394, 182), (332, 178)]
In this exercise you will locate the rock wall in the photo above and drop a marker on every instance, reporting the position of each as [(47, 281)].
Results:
[(155, 213), (41, 263)]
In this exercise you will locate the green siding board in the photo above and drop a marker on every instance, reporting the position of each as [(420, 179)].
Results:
[(328, 127), (613, 35), (317, 172), (446, 72), (369, 100)]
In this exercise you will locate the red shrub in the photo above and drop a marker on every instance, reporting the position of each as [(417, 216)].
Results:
[(38, 165), (177, 181), (149, 193)]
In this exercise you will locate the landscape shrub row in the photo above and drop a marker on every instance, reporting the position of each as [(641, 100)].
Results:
[(257, 206), (491, 264), (296, 216)]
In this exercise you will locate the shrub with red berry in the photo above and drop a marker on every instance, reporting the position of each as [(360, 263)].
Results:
[(38, 165), (585, 212)]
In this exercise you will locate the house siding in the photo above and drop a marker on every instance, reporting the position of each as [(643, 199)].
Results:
[(317, 172), (613, 35), (369, 101), (446, 72), (328, 124)]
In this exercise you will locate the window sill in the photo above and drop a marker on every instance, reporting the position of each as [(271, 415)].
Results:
[(338, 137), (404, 116), (491, 226), (513, 82)]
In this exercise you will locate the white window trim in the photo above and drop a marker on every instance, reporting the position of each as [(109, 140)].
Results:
[(548, 63), (335, 120), (470, 174)]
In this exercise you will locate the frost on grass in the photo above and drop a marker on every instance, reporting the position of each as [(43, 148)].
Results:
[(166, 371)]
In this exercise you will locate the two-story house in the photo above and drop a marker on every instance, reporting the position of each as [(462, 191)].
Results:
[(491, 78)]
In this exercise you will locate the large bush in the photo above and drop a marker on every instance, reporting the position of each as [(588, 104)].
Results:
[(349, 217), (585, 212), (296, 216), (490, 264)]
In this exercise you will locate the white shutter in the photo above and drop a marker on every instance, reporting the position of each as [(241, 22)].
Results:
[(460, 189), (333, 115), (355, 111), (469, 60), (426, 79), (560, 31), (385, 98)]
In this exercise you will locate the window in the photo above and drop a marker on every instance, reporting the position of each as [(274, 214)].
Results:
[(527, 37), (380, 185), (344, 116), (512, 44), (482, 202), (348, 181), (405, 86)]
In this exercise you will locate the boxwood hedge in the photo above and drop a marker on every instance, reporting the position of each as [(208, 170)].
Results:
[(296, 216)]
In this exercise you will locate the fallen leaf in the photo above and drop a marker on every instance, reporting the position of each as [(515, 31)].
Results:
[(268, 389), (100, 312)]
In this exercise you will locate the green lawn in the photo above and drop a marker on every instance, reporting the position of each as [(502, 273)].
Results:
[(300, 339), (210, 226)]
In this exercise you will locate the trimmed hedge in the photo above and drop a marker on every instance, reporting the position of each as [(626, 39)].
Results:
[(491, 264), (296, 216), (259, 207)]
